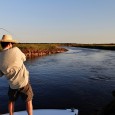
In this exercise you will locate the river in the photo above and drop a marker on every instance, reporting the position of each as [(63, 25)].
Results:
[(81, 78)]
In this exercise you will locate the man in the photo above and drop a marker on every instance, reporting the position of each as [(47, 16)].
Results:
[(13, 68)]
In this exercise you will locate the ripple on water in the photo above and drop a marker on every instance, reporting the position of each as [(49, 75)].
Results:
[(100, 77)]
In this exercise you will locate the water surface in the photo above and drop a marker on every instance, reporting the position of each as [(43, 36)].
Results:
[(81, 78)]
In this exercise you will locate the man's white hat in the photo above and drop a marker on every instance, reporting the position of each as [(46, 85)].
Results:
[(8, 38)]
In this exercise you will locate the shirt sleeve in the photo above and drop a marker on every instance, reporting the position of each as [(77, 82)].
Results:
[(1, 74)]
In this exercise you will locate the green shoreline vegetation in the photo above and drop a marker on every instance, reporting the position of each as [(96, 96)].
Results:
[(36, 46)]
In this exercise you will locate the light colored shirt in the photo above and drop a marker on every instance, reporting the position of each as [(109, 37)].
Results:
[(12, 66)]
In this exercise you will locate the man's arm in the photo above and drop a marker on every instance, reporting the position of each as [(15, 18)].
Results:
[(1, 74)]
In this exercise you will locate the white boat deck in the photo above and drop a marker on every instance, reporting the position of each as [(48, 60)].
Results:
[(49, 112)]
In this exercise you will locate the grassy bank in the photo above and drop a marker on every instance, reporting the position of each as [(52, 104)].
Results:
[(36, 46)]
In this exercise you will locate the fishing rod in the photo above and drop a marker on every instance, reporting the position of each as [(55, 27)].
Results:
[(5, 30), (8, 31)]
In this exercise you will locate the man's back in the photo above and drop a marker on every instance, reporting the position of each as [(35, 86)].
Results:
[(11, 65)]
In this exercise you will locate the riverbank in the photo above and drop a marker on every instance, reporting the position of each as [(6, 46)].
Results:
[(42, 49), (36, 50)]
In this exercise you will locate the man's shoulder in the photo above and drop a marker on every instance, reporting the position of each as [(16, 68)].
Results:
[(16, 48)]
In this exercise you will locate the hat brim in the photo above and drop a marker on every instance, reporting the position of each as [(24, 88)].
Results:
[(12, 41)]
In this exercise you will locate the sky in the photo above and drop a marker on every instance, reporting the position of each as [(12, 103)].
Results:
[(58, 21)]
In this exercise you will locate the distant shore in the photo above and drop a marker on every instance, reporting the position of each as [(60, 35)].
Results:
[(110, 46)]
